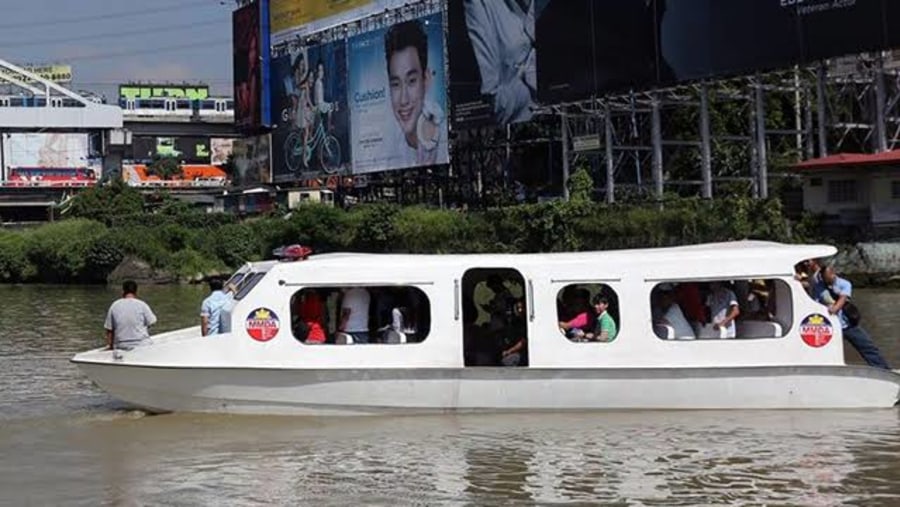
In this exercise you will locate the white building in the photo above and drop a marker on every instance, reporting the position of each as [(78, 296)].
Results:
[(854, 190)]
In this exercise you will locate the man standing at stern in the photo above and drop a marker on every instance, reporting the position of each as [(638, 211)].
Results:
[(128, 320)]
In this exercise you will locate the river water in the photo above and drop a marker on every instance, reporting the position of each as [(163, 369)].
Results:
[(62, 441)]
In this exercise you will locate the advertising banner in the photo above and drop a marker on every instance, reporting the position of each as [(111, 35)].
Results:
[(841, 27), (252, 161), (221, 150), (58, 73), (189, 150), (251, 66), (590, 48), (398, 97), (139, 91), (46, 150), (493, 61), (300, 17), (313, 134)]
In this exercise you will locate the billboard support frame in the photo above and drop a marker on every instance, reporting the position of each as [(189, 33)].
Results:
[(705, 143), (821, 108), (564, 120), (881, 144), (761, 188), (656, 140)]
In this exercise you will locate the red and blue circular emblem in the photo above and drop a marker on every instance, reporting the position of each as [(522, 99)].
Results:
[(262, 324), (816, 330)]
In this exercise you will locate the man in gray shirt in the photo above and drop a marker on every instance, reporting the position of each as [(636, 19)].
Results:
[(128, 320)]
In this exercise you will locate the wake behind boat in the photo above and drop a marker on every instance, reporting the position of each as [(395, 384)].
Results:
[(631, 329)]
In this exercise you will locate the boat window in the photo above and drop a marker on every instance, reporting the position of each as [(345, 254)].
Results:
[(588, 313), (494, 312), (721, 309), (390, 315), (246, 284)]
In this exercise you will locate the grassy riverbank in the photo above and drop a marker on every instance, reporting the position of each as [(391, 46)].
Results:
[(110, 224)]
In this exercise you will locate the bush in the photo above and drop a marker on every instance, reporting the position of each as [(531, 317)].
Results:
[(14, 263), (185, 242), (60, 250), (236, 245)]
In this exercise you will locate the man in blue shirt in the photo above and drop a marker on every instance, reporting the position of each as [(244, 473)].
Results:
[(211, 309), (836, 295)]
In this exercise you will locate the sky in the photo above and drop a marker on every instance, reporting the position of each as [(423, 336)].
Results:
[(116, 42)]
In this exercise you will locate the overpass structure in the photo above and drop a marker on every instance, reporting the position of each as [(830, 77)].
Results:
[(41, 105)]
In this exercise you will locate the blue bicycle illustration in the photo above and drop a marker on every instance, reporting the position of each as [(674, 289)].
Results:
[(321, 144)]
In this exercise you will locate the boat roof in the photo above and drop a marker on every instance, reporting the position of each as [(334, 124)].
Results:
[(737, 258)]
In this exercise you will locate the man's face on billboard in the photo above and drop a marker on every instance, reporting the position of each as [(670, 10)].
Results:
[(408, 83)]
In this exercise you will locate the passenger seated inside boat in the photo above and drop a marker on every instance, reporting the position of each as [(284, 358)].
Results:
[(580, 318), (605, 329), (308, 317), (669, 321), (512, 348), (576, 304), (740, 309), (398, 307), (494, 318), (326, 315)]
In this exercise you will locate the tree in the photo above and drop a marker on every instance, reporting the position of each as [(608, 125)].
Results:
[(580, 184), (166, 168)]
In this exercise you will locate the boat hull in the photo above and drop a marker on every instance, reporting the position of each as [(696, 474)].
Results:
[(422, 391)]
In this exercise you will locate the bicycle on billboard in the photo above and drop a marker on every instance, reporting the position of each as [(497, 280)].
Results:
[(310, 120)]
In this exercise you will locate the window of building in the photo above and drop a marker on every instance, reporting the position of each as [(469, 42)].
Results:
[(588, 313), (841, 191), (391, 315), (815, 182), (742, 309), (895, 189), (494, 315)]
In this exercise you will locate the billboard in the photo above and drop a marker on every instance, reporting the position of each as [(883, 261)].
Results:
[(841, 27), (252, 161), (56, 73), (189, 150), (221, 150), (141, 91), (493, 65), (301, 17), (594, 47), (588, 46), (313, 134), (251, 66), (398, 96), (46, 150)]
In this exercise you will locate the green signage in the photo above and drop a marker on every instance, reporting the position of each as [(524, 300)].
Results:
[(163, 92)]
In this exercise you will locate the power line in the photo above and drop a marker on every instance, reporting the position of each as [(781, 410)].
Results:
[(26, 25), (145, 31)]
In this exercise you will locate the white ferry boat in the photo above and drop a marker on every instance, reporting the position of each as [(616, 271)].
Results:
[(502, 333)]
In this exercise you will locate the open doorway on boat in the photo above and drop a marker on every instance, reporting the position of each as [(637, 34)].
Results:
[(495, 330)]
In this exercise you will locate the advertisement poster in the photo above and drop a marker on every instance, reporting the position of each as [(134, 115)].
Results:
[(251, 61), (46, 150), (300, 17), (221, 150), (252, 156), (589, 48), (398, 97), (841, 27), (313, 134), (493, 67), (188, 150)]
